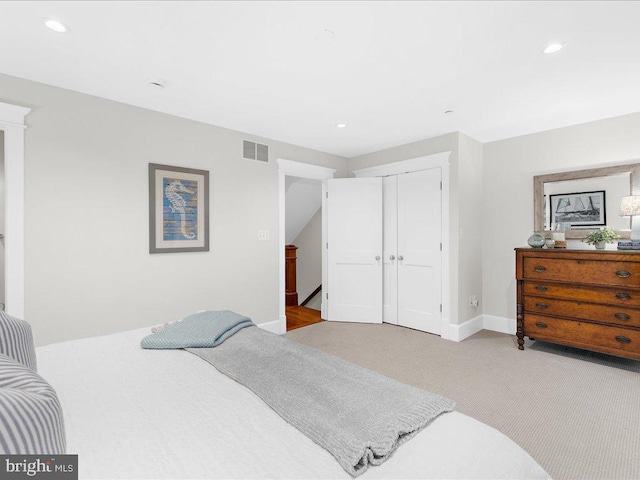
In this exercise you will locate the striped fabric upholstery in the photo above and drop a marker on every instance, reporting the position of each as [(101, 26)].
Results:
[(16, 340), (30, 415)]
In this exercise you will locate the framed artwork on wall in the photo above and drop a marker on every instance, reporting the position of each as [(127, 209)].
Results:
[(584, 209), (178, 209)]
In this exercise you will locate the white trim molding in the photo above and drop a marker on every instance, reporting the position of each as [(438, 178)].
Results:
[(405, 166), (437, 160), (293, 169), (273, 327), (12, 123), (12, 116), (457, 333), (499, 324)]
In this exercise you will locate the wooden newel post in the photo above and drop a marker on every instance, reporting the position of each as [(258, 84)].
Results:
[(291, 294)]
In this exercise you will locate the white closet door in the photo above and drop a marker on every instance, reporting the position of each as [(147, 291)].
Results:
[(390, 249), (419, 255), (354, 232)]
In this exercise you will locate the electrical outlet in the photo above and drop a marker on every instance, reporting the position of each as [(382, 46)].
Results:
[(263, 234), (473, 301)]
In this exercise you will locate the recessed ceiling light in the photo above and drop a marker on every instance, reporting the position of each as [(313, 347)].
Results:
[(326, 35), (56, 26), (554, 47), (156, 83), (341, 125)]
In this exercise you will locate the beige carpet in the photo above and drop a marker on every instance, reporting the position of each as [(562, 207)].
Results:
[(576, 413)]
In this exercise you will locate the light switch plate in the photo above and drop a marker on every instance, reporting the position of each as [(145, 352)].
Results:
[(263, 234)]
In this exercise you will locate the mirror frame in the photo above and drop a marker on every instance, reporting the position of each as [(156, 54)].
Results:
[(633, 169)]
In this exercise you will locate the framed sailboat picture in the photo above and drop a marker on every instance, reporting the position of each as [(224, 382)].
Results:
[(584, 209), (178, 209)]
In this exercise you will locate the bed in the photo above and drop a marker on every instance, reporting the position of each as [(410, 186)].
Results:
[(134, 413)]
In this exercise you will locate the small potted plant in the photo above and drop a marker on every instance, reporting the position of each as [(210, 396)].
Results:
[(601, 237)]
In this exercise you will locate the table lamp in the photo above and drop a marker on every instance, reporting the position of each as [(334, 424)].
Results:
[(630, 207)]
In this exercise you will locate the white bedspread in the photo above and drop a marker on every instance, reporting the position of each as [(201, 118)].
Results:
[(134, 413)]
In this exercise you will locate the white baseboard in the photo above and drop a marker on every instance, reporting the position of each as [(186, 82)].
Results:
[(499, 324), (457, 333), (273, 327)]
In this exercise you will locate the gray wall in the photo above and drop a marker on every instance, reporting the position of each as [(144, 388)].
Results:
[(88, 270), (470, 199), (309, 253), (509, 168)]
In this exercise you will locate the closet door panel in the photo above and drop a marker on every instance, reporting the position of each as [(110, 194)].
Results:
[(419, 255), (390, 249), (354, 254)]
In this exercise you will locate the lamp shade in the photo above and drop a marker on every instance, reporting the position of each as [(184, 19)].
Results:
[(630, 206)]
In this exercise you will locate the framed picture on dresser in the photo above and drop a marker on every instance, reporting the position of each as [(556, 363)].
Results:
[(583, 209), (178, 209)]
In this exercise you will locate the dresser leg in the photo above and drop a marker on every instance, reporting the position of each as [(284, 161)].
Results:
[(520, 326)]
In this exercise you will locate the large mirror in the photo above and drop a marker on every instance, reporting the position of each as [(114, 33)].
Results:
[(585, 199)]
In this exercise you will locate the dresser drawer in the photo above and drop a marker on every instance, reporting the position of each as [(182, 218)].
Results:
[(613, 296), (584, 334), (582, 271), (627, 317)]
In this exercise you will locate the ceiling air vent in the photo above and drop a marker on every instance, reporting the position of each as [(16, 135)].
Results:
[(255, 151)]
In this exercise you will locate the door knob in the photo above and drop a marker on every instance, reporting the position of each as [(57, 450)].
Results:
[(392, 257), (400, 257), (377, 257)]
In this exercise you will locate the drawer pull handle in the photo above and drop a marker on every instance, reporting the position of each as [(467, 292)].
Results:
[(623, 339), (623, 296), (540, 268), (541, 288), (623, 274), (542, 305), (622, 316), (541, 325)]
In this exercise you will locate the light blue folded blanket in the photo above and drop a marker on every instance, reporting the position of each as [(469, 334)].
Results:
[(200, 330)]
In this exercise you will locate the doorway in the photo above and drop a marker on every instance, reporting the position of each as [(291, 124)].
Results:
[(301, 172), (12, 125), (303, 257)]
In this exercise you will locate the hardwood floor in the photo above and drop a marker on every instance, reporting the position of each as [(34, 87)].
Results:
[(298, 317)]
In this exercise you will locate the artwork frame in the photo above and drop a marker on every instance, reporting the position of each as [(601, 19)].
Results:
[(178, 209), (581, 209)]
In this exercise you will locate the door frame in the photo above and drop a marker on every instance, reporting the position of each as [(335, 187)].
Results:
[(440, 160), (12, 123), (291, 168)]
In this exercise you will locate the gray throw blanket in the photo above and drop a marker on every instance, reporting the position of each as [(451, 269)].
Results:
[(359, 416), (204, 329)]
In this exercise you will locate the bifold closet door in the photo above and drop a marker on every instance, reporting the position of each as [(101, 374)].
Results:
[(419, 258), (390, 249), (354, 250)]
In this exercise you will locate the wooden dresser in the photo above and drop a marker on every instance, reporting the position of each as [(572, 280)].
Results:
[(584, 298)]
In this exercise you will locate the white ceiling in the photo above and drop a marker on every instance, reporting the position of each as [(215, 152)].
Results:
[(391, 71)]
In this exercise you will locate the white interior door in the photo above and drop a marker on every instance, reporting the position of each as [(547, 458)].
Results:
[(354, 263), (419, 250), (390, 249)]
